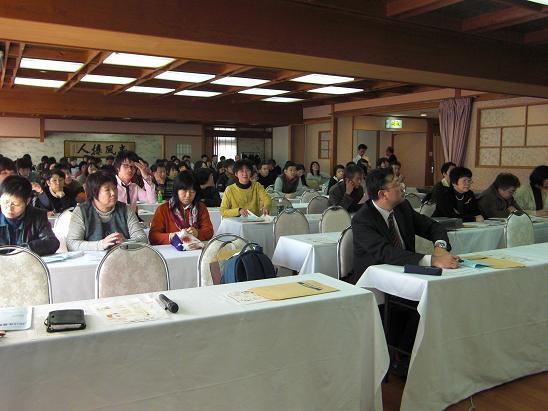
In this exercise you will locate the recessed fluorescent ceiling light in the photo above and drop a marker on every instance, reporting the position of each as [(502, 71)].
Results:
[(38, 82), (336, 90), (96, 78), (282, 99), (197, 93), (540, 1), (137, 60), (150, 90), (424, 114), (50, 65), (322, 79), (263, 91), (184, 76), (239, 81), (224, 129)]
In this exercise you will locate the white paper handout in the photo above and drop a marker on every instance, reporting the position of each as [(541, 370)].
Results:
[(245, 297), (15, 318), (131, 310)]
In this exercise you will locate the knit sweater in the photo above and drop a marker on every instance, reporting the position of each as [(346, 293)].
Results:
[(253, 198), (162, 224)]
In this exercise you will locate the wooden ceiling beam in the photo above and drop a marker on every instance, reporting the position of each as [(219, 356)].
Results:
[(536, 37), (92, 105), (95, 59), (4, 62), (19, 55), (410, 8), (499, 19), (150, 74), (55, 53)]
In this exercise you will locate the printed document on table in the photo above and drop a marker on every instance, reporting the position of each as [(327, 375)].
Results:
[(15, 318)]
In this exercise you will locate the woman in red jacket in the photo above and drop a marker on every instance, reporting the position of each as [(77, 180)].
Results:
[(183, 211)]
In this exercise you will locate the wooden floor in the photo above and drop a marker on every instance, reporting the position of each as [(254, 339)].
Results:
[(526, 394)]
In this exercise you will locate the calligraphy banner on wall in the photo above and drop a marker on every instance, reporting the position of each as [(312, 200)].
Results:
[(82, 148)]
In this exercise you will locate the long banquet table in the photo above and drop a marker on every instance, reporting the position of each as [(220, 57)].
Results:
[(478, 328), (74, 279), (324, 352)]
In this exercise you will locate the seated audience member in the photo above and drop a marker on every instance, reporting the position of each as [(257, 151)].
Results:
[(20, 223), (265, 177), (244, 196), (390, 155), (54, 197), (398, 176), (383, 163), (498, 200), (162, 183), (315, 174), (300, 173), (209, 194), (441, 187), (459, 201), (289, 182), (172, 170), (109, 161), (24, 169), (7, 168), (73, 186), (90, 169), (362, 150), (385, 228), (183, 211), (338, 174), (126, 165), (274, 169), (226, 178), (184, 166), (102, 221), (534, 196), (348, 192)]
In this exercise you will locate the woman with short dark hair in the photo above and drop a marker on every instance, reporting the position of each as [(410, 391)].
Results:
[(498, 200), (459, 201), (22, 224), (102, 221), (183, 211), (315, 174), (54, 197)]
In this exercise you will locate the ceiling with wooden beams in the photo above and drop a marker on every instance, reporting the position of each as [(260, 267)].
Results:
[(93, 63)]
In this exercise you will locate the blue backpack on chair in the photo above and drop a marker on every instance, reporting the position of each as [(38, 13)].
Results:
[(250, 264)]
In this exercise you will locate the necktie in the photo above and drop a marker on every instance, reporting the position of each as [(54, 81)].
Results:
[(392, 228), (128, 200)]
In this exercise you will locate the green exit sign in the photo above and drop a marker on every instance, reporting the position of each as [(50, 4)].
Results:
[(394, 123)]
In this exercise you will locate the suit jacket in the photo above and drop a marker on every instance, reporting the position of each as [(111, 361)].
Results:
[(373, 243)]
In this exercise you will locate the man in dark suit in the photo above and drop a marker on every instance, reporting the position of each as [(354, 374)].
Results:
[(385, 226)]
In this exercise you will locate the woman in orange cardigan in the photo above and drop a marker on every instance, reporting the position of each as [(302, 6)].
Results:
[(183, 211)]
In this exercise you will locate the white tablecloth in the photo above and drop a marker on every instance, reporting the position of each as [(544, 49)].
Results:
[(215, 217), (308, 252), (261, 233), (74, 279), (478, 327), (324, 352), (148, 206)]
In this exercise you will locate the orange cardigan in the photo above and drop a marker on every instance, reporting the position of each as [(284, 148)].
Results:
[(162, 224)]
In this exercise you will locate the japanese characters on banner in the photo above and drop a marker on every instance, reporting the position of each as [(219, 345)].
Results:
[(75, 148)]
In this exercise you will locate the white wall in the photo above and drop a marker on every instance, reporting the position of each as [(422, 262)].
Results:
[(280, 144)]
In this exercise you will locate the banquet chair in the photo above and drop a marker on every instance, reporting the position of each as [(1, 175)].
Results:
[(278, 204), (519, 229), (24, 278), (335, 218), (219, 249), (290, 222), (414, 200), (428, 209), (317, 205), (61, 228), (131, 268), (309, 195), (270, 189), (345, 250), (312, 184)]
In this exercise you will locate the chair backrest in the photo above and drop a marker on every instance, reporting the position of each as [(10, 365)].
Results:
[(428, 209), (219, 249), (131, 268), (61, 227), (414, 200), (317, 205), (24, 278), (277, 203), (345, 250), (309, 195), (290, 222), (270, 188), (333, 219), (519, 229), (312, 183)]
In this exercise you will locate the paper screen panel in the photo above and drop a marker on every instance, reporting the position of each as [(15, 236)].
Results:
[(513, 136), (538, 114), (490, 137), (499, 117), (537, 136), (523, 157), (489, 156)]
